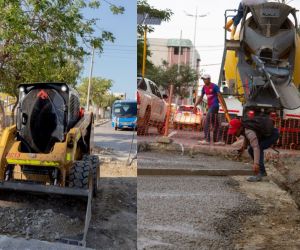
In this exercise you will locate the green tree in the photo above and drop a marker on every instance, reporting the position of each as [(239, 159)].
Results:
[(46, 40), (182, 80), (144, 8), (99, 96)]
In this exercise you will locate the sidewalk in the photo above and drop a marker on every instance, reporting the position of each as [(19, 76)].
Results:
[(187, 143), (101, 122), (170, 164)]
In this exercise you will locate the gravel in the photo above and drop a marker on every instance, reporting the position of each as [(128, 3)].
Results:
[(50, 218)]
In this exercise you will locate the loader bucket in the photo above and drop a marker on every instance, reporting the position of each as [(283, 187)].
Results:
[(62, 191)]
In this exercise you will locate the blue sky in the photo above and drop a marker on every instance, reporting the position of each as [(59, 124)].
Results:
[(118, 60)]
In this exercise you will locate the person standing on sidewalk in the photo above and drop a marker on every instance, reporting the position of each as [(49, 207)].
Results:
[(260, 134), (213, 95)]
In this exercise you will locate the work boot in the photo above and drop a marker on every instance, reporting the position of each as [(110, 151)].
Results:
[(254, 178), (228, 25), (203, 142), (219, 143), (233, 33)]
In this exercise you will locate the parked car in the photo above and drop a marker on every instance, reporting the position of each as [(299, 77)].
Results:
[(152, 108), (124, 114), (186, 117)]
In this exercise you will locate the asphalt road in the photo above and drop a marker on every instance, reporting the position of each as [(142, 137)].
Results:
[(117, 143)]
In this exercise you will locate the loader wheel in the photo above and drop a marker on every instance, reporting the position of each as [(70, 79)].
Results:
[(79, 174), (94, 160)]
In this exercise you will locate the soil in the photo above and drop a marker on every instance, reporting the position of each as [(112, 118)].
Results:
[(276, 225), (114, 220), (118, 169)]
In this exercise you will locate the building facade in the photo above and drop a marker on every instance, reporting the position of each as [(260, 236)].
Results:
[(173, 51)]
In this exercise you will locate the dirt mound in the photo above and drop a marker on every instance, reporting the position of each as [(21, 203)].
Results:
[(286, 174)]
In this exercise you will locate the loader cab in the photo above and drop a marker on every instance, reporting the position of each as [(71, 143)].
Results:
[(45, 113)]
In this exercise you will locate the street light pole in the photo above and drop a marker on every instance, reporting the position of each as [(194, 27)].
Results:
[(194, 64), (194, 47), (90, 80), (179, 53)]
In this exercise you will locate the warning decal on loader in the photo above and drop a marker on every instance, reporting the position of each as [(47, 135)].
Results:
[(32, 162)]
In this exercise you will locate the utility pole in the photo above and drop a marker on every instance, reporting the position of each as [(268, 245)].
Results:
[(90, 80)]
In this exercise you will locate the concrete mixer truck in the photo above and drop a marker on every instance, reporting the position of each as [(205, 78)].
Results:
[(261, 66)]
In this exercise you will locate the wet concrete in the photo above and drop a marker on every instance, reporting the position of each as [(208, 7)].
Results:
[(178, 161), (190, 212)]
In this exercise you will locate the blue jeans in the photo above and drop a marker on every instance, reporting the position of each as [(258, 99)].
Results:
[(239, 15), (211, 119), (264, 143)]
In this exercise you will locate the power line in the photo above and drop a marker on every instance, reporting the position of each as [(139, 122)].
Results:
[(119, 45), (212, 50), (212, 64), (163, 44), (116, 49), (118, 56)]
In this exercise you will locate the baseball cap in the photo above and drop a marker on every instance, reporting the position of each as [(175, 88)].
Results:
[(234, 126), (206, 76)]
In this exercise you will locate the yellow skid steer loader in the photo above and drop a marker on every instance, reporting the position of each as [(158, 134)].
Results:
[(48, 150)]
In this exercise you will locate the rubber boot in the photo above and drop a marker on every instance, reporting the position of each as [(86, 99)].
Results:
[(232, 33), (228, 25)]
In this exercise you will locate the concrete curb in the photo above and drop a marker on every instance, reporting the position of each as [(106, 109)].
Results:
[(8, 243), (160, 147), (223, 151), (194, 172), (101, 122)]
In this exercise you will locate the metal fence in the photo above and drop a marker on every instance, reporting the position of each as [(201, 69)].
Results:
[(188, 128)]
